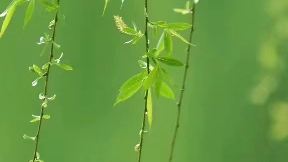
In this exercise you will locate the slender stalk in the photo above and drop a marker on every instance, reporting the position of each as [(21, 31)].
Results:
[(45, 87), (146, 93), (183, 86)]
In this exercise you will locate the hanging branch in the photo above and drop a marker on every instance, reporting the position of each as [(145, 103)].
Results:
[(45, 86), (183, 84), (147, 91)]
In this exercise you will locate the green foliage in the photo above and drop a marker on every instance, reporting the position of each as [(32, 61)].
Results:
[(29, 12)]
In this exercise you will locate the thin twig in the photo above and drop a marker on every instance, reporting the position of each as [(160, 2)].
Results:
[(46, 85), (183, 86), (146, 93)]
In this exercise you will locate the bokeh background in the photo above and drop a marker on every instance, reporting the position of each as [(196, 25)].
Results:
[(235, 107)]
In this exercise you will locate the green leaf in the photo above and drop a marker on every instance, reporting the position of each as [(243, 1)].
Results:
[(34, 83), (180, 37), (64, 66), (151, 53), (167, 77), (155, 30), (46, 116), (160, 44), (130, 87), (130, 31), (105, 6), (151, 78), (149, 108), (157, 23), (52, 98), (50, 6), (158, 84), (56, 45), (182, 11), (175, 26), (166, 91), (169, 61), (34, 120), (168, 44), (45, 66), (37, 70), (29, 12), (7, 20)]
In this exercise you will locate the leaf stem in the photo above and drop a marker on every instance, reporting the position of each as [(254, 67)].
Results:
[(146, 93), (46, 86), (183, 86)]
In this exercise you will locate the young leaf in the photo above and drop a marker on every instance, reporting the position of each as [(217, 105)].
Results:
[(160, 45), (180, 37), (34, 120), (151, 78), (169, 61), (142, 64), (176, 26), (56, 45), (166, 91), (130, 87), (167, 77), (105, 6), (149, 108), (7, 19), (37, 70), (130, 31), (28, 137), (29, 12), (64, 66), (45, 66), (168, 44), (46, 116)]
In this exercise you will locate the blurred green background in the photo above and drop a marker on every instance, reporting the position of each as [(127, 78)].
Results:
[(235, 106)]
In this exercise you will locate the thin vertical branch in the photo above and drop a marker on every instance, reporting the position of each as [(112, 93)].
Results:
[(146, 93), (46, 86), (183, 86)]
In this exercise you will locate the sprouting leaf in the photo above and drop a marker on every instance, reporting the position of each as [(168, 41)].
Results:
[(34, 83), (151, 78), (166, 91), (37, 70), (136, 39), (34, 120), (105, 6), (45, 66), (142, 64), (168, 44), (37, 155), (64, 66), (155, 30), (169, 61), (149, 108), (56, 45), (52, 98), (28, 137), (46, 116), (29, 12), (160, 45), (45, 103), (182, 11), (41, 96), (180, 37), (175, 26), (130, 31), (130, 87), (122, 4)]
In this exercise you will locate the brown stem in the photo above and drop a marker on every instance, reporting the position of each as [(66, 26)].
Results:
[(45, 87), (183, 87), (146, 93)]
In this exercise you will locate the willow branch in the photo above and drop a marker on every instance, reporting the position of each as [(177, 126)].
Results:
[(47, 74), (183, 87), (146, 93)]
